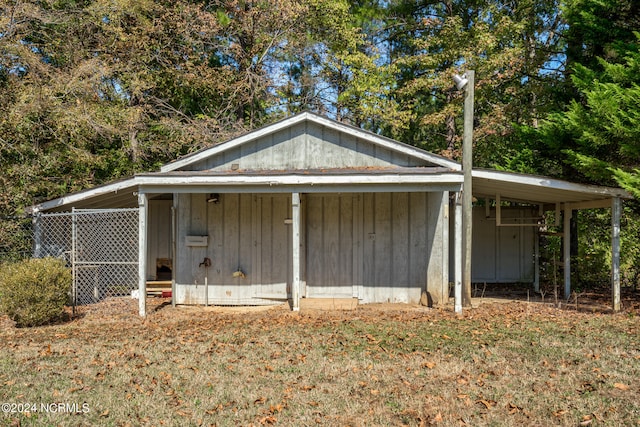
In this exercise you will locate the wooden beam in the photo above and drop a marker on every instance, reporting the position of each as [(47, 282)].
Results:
[(142, 254), (295, 253), (273, 187), (616, 213), (166, 182), (591, 204), (566, 228)]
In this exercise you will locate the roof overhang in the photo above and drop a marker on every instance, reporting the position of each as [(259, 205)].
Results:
[(306, 181), (486, 184), (542, 190), (118, 194)]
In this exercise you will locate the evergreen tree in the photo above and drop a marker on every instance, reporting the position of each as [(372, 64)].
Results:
[(599, 134)]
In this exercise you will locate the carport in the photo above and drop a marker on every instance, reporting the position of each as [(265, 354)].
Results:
[(563, 198)]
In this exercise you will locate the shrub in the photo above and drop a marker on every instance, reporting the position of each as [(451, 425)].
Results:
[(34, 292)]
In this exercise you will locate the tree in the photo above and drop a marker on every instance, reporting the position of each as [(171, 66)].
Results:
[(593, 138), (96, 90), (599, 135), (509, 44)]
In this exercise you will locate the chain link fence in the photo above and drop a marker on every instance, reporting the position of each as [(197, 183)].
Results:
[(100, 246)]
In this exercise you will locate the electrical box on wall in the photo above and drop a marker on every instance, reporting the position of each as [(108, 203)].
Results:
[(196, 240)]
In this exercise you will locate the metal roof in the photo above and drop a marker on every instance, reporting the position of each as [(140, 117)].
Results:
[(538, 189)]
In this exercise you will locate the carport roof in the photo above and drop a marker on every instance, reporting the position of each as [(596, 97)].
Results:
[(540, 189)]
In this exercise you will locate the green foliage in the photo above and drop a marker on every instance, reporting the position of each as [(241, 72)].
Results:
[(34, 292), (594, 232), (597, 28), (597, 137), (425, 43)]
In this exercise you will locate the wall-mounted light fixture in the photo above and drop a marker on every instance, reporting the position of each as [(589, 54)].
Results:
[(460, 80), (213, 198)]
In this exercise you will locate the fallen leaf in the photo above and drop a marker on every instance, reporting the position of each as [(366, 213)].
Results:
[(268, 420), (559, 412), (513, 408), (488, 403), (461, 380), (277, 408), (429, 365)]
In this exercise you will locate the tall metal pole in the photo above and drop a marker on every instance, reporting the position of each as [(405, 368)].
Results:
[(467, 191)]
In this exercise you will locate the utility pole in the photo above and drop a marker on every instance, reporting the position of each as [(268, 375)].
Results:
[(467, 82)]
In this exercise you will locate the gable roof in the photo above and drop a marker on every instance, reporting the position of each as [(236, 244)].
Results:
[(341, 128), (177, 177)]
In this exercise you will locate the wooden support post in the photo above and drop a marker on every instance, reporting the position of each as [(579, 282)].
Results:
[(296, 226), (174, 249), (467, 191), (458, 254), (536, 260), (142, 254), (616, 213), (566, 241)]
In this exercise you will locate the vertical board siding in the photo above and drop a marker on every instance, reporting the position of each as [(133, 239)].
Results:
[(371, 246), (382, 244), (245, 232), (396, 244), (503, 254), (346, 243), (275, 247), (331, 241), (374, 246), (401, 221), (330, 244), (306, 146), (418, 248)]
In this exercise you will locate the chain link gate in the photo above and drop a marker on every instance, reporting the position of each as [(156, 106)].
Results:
[(100, 246)]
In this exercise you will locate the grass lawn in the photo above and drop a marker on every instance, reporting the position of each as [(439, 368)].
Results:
[(499, 364)]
